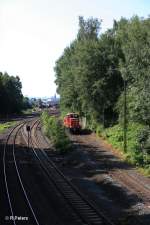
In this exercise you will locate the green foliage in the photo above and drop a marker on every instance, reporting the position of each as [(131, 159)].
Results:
[(26, 104), (134, 38), (4, 126), (28, 111), (85, 74), (11, 98), (88, 29), (114, 135), (90, 76), (99, 129), (137, 138), (56, 132)]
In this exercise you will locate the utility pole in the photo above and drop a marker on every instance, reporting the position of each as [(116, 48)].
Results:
[(125, 118), (124, 113), (103, 116)]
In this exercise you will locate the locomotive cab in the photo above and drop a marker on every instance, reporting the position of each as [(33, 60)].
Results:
[(71, 121)]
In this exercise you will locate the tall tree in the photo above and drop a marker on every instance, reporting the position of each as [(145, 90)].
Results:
[(11, 97), (86, 75), (134, 36)]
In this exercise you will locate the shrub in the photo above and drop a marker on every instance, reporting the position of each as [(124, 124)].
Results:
[(99, 129), (6, 125), (56, 132), (138, 142), (114, 135)]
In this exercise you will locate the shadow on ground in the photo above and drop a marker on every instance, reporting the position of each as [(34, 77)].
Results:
[(88, 169)]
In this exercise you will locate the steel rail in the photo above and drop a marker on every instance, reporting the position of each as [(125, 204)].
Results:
[(19, 126), (46, 171), (4, 170), (25, 136), (131, 177), (72, 192), (20, 180)]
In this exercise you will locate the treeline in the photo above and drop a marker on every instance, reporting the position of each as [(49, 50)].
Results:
[(93, 71), (11, 98)]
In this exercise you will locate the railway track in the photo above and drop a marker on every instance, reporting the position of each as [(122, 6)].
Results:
[(126, 178), (15, 190), (81, 210), (135, 184), (85, 212)]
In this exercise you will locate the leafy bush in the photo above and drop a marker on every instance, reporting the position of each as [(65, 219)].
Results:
[(138, 142), (6, 125), (56, 132), (99, 129), (144, 138), (114, 135)]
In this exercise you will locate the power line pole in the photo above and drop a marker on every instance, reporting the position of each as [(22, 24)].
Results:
[(125, 118), (124, 113)]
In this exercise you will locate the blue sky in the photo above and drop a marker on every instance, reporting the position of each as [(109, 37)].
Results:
[(33, 34)]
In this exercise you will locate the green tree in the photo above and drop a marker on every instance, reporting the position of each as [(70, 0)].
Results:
[(85, 73), (134, 37), (10, 94)]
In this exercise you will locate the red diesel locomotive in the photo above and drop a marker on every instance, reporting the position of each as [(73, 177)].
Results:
[(71, 121)]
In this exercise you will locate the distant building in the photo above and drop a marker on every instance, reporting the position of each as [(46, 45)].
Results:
[(45, 102)]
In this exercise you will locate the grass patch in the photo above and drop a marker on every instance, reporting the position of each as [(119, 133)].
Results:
[(28, 111), (145, 171), (54, 130), (138, 144), (4, 126)]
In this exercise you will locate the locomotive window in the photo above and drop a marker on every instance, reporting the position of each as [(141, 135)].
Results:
[(73, 116), (76, 116)]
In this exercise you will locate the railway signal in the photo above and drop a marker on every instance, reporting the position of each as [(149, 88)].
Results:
[(28, 131)]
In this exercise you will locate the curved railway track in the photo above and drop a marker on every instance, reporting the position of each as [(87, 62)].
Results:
[(82, 211), (137, 184), (25, 210), (85, 212)]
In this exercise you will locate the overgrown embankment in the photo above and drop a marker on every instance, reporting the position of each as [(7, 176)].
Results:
[(106, 78), (4, 126), (138, 143), (54, 130)]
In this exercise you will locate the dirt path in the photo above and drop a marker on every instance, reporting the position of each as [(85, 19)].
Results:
[(112, 184)]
